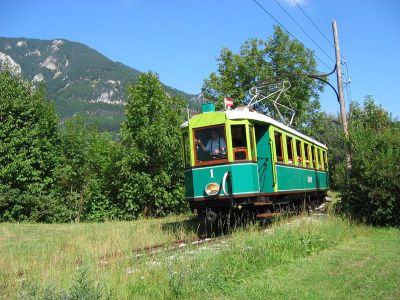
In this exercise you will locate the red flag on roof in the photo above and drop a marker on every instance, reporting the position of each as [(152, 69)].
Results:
[(228, 102)]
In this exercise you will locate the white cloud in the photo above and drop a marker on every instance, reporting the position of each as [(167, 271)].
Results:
[(293, 2)]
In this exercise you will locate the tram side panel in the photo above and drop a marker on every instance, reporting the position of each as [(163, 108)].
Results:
[(291, 179), (243, 180)]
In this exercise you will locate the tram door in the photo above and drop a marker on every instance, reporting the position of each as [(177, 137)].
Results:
[(264, 158)]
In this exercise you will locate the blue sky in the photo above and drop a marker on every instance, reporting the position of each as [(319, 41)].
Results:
[(181, 39)]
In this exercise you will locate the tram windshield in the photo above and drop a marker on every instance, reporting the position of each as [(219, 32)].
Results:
[(210, 143)]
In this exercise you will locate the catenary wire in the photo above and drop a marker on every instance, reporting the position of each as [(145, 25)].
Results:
[(303, 30), (315, 25), (348, 89), (280, 24)]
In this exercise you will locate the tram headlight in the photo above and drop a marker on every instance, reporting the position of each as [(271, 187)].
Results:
[(212, 189)]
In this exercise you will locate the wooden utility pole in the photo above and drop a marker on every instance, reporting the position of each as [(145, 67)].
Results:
[(343, 115)]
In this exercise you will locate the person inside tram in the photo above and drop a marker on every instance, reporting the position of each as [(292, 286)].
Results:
[(215, 146)]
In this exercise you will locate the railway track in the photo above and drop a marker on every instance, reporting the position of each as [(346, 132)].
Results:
[(175, 245), (182, 244)]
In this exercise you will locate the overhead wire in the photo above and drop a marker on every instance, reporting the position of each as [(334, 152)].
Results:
[(345, 62), (294, 37), (315, 25), (303, 30), (312, 22), (348, 86), (316, 76)]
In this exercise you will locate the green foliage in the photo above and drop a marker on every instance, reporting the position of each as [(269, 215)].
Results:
[(29, 151), (106, 117), (43, 206), (87, 173), (82, 288), (327, 129), (76, 173), (269, 61), (372, 194), (152, 166)]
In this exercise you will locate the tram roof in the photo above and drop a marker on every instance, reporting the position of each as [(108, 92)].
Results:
[(245, 113)]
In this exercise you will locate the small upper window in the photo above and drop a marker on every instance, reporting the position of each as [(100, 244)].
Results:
[(239, 143), (289, 146), (238, 136), (278, 147)]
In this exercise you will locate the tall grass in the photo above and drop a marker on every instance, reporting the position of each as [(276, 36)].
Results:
[(95, 261), (53, 253), (214, 271)]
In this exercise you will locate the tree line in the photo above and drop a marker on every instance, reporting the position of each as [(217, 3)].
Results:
[(52, 173), (74, 172)]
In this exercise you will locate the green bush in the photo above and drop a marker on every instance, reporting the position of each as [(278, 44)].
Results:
[(87, 172), (372, 195)]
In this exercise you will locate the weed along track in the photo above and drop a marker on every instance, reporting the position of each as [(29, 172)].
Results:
[(205, 240), (280, 261), (176, 245)]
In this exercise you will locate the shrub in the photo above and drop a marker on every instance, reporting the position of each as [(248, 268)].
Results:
[(372, 195), (87, 172)]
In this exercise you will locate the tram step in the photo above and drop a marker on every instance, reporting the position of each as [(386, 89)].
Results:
[(267, 215), (262, 203), (281, 203)]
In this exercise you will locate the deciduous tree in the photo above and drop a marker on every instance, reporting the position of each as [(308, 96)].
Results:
[(152, 167), (29, 151), (372, 195), (262, 62)]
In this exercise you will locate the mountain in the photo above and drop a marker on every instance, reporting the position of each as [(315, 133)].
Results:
[(77, 78)]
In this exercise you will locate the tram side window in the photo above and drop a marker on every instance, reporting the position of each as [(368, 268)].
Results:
[(317, 159), (186, 149), (321, 159), (239, 143), (299, 150), (307, 155), (313, 157), (289, 146), (325, 160), (278, 146)]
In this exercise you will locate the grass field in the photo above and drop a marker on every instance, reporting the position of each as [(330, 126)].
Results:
[(301, 258)]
